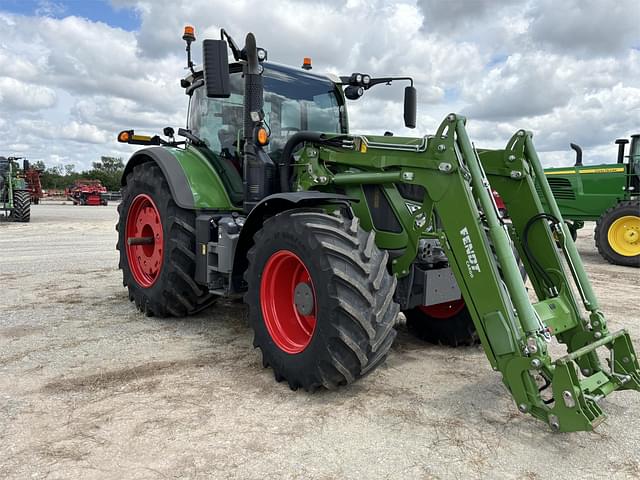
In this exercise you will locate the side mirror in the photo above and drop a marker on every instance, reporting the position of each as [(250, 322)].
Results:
[(215, 65), (410, 107)]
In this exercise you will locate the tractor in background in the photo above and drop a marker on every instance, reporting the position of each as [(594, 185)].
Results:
[(87, 192), (607, 194), (15, 199), (327, 235)]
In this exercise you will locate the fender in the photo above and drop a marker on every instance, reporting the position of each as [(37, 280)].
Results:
[(194, 182), (268, 207)]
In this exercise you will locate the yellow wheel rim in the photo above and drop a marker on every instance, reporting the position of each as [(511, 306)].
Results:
[(624, 236)]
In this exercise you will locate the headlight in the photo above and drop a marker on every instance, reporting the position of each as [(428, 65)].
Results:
[(353, 93), (366, 79), (358, 78)]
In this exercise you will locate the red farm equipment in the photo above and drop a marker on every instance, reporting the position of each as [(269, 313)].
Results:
[(32, 180), (87, 192)]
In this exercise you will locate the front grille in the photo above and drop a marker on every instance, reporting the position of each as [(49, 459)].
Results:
[(560, 187)]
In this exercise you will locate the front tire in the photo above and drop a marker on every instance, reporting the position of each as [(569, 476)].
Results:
[(21, 206), (617, 234), (160, 273), (320, 299)]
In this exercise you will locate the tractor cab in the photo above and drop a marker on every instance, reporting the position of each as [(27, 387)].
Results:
[(294, 100)]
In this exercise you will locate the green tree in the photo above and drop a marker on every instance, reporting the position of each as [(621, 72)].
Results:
[(108, 170), (39, 165)]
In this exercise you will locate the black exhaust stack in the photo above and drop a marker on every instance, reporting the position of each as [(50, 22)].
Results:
[(621, 142), (578, 154), (259, 169)]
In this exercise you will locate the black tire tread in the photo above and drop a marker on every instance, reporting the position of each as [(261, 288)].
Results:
[(456, 331), (21, 206)]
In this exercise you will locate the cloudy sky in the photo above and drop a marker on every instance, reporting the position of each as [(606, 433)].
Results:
[(72, 74)]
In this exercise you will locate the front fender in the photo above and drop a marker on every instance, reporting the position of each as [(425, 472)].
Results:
[(192, 179)]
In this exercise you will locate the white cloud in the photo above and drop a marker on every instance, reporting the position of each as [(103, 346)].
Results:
[(18, 95), (586, 26), (569, 71)]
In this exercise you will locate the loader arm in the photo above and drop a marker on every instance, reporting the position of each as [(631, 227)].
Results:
[(515, 332)]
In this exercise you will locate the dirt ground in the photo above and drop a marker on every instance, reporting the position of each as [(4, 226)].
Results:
[(89, 388)]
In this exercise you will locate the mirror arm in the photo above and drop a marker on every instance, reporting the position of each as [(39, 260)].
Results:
[(195, 85), (387, 80), (375, 81), (237, 54), (183, 132)]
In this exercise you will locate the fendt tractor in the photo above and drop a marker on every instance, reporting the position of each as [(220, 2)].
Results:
[(329, 235), (607, 194), (15, 198)]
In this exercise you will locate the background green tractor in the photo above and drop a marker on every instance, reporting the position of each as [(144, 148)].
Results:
[(328, 235), (15, 197), (608, 194)]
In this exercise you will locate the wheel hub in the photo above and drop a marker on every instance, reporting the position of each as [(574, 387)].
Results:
[(288, 301), (624, 236), (144, 240), (303, 298)]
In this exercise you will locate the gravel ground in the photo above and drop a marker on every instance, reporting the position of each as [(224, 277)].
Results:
[(89, 388)]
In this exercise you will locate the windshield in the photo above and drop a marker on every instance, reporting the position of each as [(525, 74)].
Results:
[(634, 150), (293, 101)]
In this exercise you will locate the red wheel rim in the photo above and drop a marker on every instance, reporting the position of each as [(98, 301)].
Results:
[(144, 224), (290, 330), (443, 310)]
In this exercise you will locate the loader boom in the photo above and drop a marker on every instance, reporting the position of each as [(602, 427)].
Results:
[(515, 332)]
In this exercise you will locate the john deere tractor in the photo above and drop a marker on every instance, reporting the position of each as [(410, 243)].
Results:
[(15, 198), (608, 194), (328, 235)]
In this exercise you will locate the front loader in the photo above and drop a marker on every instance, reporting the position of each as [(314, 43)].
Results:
[(329, 235)]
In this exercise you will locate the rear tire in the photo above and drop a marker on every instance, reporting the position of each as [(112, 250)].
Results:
[(617, 234), (169, 290), (349, 329), (21, 206)]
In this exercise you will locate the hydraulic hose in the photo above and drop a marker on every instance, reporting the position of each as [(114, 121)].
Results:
[(285, 164)]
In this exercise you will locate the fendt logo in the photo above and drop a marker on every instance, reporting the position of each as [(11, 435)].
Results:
[(412, 207), (472, 260)]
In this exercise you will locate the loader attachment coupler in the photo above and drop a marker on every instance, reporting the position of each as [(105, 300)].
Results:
[(565, 392)]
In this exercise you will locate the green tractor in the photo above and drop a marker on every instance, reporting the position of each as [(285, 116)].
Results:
[(608, 194), (15, 197), (328, 235)]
